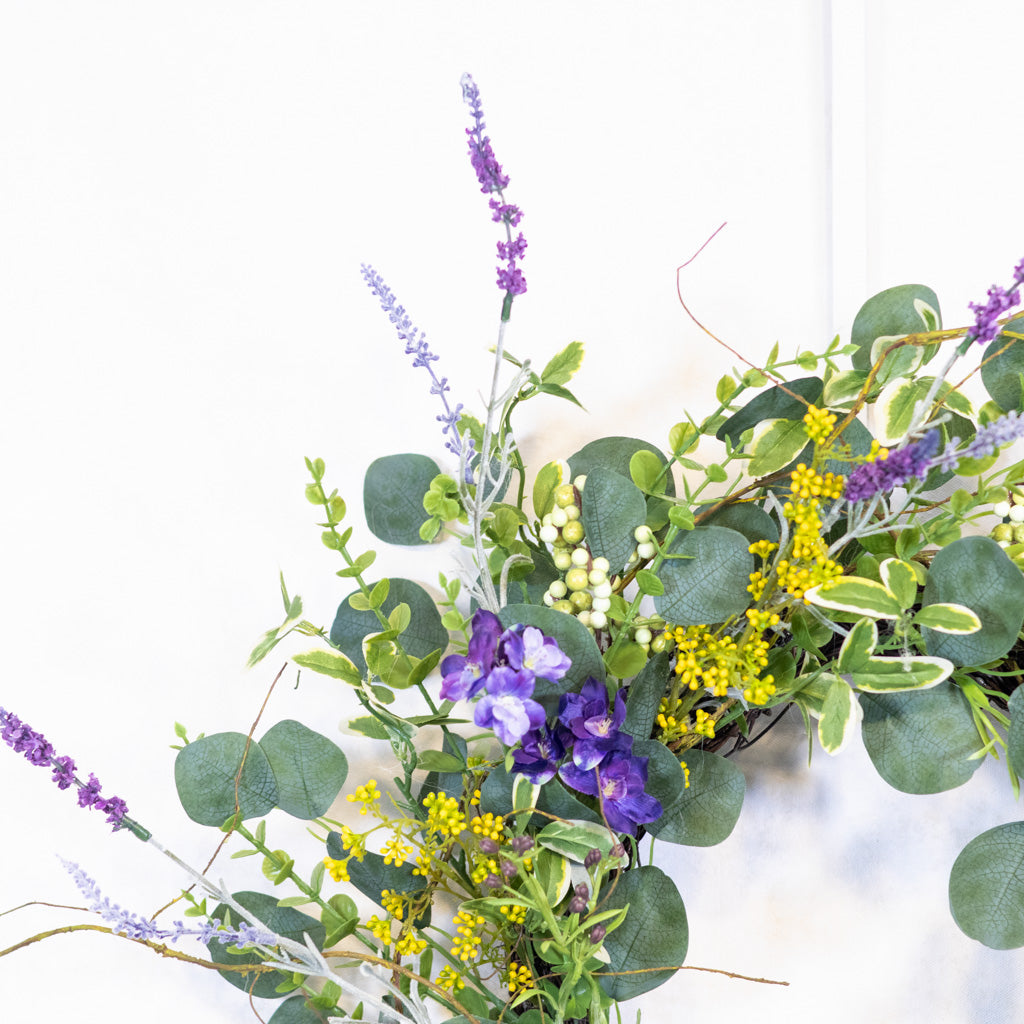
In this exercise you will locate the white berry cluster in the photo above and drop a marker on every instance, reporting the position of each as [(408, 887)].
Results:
[(1011, 529), (585, 590)]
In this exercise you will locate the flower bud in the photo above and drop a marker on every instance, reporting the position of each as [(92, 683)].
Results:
[(583, 891), (508, 869), (521, 844), (492, 881), (618, 850), (593, 858), (577, 905), (597, 933), (488, 845)]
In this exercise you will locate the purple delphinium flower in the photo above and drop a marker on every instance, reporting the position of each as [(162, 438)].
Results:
[(987, 441), (999, 301), (593, 724), (23, 739), (527, 648), (465, 675), (541, 752), (882, 475), (137, 927), (493, 179), (618, 782), (416, 346), (507, 707)]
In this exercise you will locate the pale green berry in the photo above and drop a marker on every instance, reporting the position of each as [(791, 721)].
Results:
[(603, 589), (565, 495), (580, 482), (642, 534), (646, 550), (562, 559), (601, 564), (585, 617), (1001, 509), (601, 604), (549, 534), (1003, 533), (557, 517), (581, 600), (563, 606), (1018, 534), (557, 589), (581, 557), (597, 577), (576, 579), (642, 635), (548, 599), (659, 643), (572, 512), (572, 532), (1017, 514), (598, 620)]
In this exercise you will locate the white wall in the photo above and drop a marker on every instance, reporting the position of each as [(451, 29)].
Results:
[(189, 190)]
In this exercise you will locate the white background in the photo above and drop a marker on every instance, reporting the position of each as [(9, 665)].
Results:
[(188, 190)]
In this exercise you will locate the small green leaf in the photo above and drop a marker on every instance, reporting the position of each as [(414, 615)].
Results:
[(379, 593), (893, 675), (359, 602), (840, 714), (563, 366), (857, 596), (858, 646), (649, 583), (681, 517), (644, 469), (900, 580), (716, 474), (438, 761), (627, 661), (725, 389), (775, 444), (948, 618), (328, 663)]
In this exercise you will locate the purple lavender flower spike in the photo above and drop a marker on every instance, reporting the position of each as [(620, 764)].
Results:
[(527, 648), (592, 722), (464, 676), (882, 475), (21, 738), (999, 301), (493, 179), (507, 707), (618, 782), (987, 441), (416, 346)]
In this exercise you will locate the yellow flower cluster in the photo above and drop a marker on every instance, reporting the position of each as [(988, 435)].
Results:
[(366, 795), (877, 452), (338, 869), (396, 851), (467, 939), (818, 424), (686, 773), (380, 930), (808, 483), (704, 724), (443, 814), (393, 903), (516, 915), (519, 976), (490, 826), (718, 662), (409, 945), (672, 728), (449, 979), (484, 866)]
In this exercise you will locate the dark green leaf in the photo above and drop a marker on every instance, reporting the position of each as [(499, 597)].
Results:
[(286, 921), (751, 520), (1015, 734), (921, 741), (393, 496), (986, 887), (654, 934), (424, 635), (711, 585), (297, 1011), (975, 571), (205, 771), (893, 313), (613, 507), (310, 770), (644, 697), (1001, 374), (773, 404), (702, 814), (371, 876)]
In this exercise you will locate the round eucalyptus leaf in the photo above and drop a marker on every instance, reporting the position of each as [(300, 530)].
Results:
[(751, 520), (574, 639), (1001, 374), (205, 772), (424, 634), (1015, 734), (393, 492), (614, 453), (654, 934), (297, 1011), (286, 921), (986, 887), (893, 313), (701, 814), (711, 584), (976, 572), (613, 507), (921, 741), (310, 770)]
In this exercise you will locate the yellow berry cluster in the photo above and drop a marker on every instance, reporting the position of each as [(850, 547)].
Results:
[(482, 868), (704, 724), (397, 852), (366, 795), (449, 979), (515, 914), (808, 483), (338, 869), (519, 976), (444, 815), (490, 826), (355, 844), (672, 727), (818, 424), (380, 930), (467, 939)]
